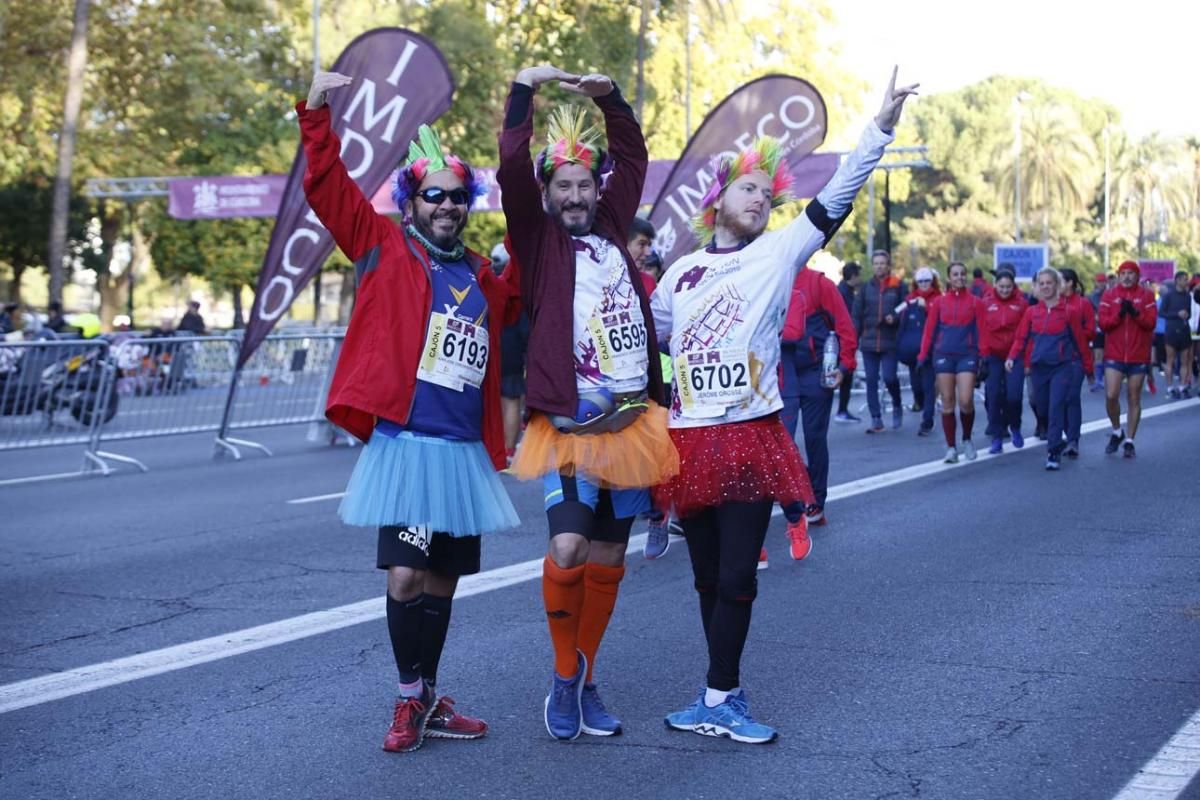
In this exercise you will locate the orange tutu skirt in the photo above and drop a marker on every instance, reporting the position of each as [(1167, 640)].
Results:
[(636, 457), (740, 462)]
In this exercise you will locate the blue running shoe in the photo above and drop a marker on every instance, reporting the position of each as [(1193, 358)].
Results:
[(731, 720), (1018, 441), (596, 719), (564, 708), (685, 720), (658, 539)]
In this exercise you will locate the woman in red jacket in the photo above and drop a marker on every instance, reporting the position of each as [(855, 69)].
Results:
[(951, 342), (1003, 308), (1075, 301), (1051, 339)]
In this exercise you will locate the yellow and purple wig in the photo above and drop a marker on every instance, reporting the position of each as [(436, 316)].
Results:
[(570, 143)]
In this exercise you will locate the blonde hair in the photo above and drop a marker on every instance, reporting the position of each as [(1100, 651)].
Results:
[(1058, 278)]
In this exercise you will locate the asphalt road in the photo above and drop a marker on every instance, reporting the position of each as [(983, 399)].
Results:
[(987, 631)]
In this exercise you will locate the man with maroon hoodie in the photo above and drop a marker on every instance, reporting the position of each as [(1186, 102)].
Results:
[(1127, 316), (591, 344)]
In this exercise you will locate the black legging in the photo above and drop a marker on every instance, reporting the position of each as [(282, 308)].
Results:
[(723, 543)]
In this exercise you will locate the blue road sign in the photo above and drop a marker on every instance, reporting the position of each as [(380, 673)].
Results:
[(1026, 259)]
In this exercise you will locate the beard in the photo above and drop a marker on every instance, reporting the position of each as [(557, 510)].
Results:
[(437, 233), (576, 229), (744, 227)]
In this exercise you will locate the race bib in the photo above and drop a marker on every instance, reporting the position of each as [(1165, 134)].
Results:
[(620, 340), (455, 353), (710, 381)]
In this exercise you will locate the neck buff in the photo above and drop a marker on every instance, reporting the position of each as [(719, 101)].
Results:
[(454, 254)]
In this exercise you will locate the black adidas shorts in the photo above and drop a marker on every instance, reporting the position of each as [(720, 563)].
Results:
[(416, 548)]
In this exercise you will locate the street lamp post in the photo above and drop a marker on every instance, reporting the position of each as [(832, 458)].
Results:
[(1107, 136), (1021, 96)]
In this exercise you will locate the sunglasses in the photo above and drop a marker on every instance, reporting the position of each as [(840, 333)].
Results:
[(924, 280), (436, 197)]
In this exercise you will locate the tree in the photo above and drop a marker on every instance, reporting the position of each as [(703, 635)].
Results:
[(1058, 164), (1150, 185)]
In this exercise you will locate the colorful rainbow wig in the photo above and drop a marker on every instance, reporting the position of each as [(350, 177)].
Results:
[(570, 143), (425, 156), (765, 155)]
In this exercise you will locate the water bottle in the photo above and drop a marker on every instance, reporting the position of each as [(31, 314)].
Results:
[(829, 361)]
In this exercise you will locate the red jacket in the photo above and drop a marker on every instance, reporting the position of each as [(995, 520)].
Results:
[(956, 310), (1086, 312), (1040, 319), (1128, 339), (376, 372), (1000, 321), (813, 293)]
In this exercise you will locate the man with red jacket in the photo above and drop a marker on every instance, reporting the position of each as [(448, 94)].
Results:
[(816, 311), (1127, 316), (416, 381)]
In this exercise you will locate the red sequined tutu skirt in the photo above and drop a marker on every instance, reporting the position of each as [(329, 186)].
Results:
[(738, 462)]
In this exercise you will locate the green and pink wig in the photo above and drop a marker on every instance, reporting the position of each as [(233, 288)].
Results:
[(425, 156), (570, 142), (766, 155)]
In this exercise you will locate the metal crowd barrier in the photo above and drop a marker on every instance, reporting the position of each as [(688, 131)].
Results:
[(55, 393), (168, 386), (285, 382)]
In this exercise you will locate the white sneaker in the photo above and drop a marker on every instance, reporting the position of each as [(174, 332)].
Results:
[(969, 450), (951, 456)]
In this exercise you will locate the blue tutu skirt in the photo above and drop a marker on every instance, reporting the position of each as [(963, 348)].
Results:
[(408, 479)]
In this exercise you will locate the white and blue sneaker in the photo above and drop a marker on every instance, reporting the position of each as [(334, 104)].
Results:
[(731, 720), (658, 539), (564, 705), (596, 719)]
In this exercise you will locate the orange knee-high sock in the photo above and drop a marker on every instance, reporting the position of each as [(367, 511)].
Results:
[(599, 598), (563, 592)]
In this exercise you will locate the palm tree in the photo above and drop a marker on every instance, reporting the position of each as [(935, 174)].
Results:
[(1151, 183), (1058, 164)]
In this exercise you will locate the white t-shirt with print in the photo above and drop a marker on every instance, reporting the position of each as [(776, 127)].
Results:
[(609, 329), (723, 310)]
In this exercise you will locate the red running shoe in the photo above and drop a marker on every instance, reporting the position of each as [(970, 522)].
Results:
[(446, 723), (409, 722), (797, 533)]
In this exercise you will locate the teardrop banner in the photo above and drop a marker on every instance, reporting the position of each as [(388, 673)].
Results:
[(783, 106), (401, 81)]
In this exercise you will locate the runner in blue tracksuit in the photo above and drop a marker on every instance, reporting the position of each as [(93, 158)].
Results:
[(1052, 341)]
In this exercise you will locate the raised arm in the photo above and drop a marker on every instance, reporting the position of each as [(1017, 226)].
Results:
[(333, 195), (623, 191), (824, 215)]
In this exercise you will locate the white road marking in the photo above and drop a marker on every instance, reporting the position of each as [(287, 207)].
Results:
[(299, 501), (1168, 774)]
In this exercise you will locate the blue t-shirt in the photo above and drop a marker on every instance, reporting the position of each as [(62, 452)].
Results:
[(438, 410)]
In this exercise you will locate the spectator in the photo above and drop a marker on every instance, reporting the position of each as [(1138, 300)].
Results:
[(979, 286), (641, 249), (851, 280), (55, 320), (192, 322), (7, 324)]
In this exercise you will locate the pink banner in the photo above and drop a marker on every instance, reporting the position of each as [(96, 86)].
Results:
[(1158, 271), (222, 197)]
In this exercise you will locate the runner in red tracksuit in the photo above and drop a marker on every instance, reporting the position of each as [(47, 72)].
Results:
[(1127, 316), (1051, 339), (951, 342), (1003, 308), (1075, 301)]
